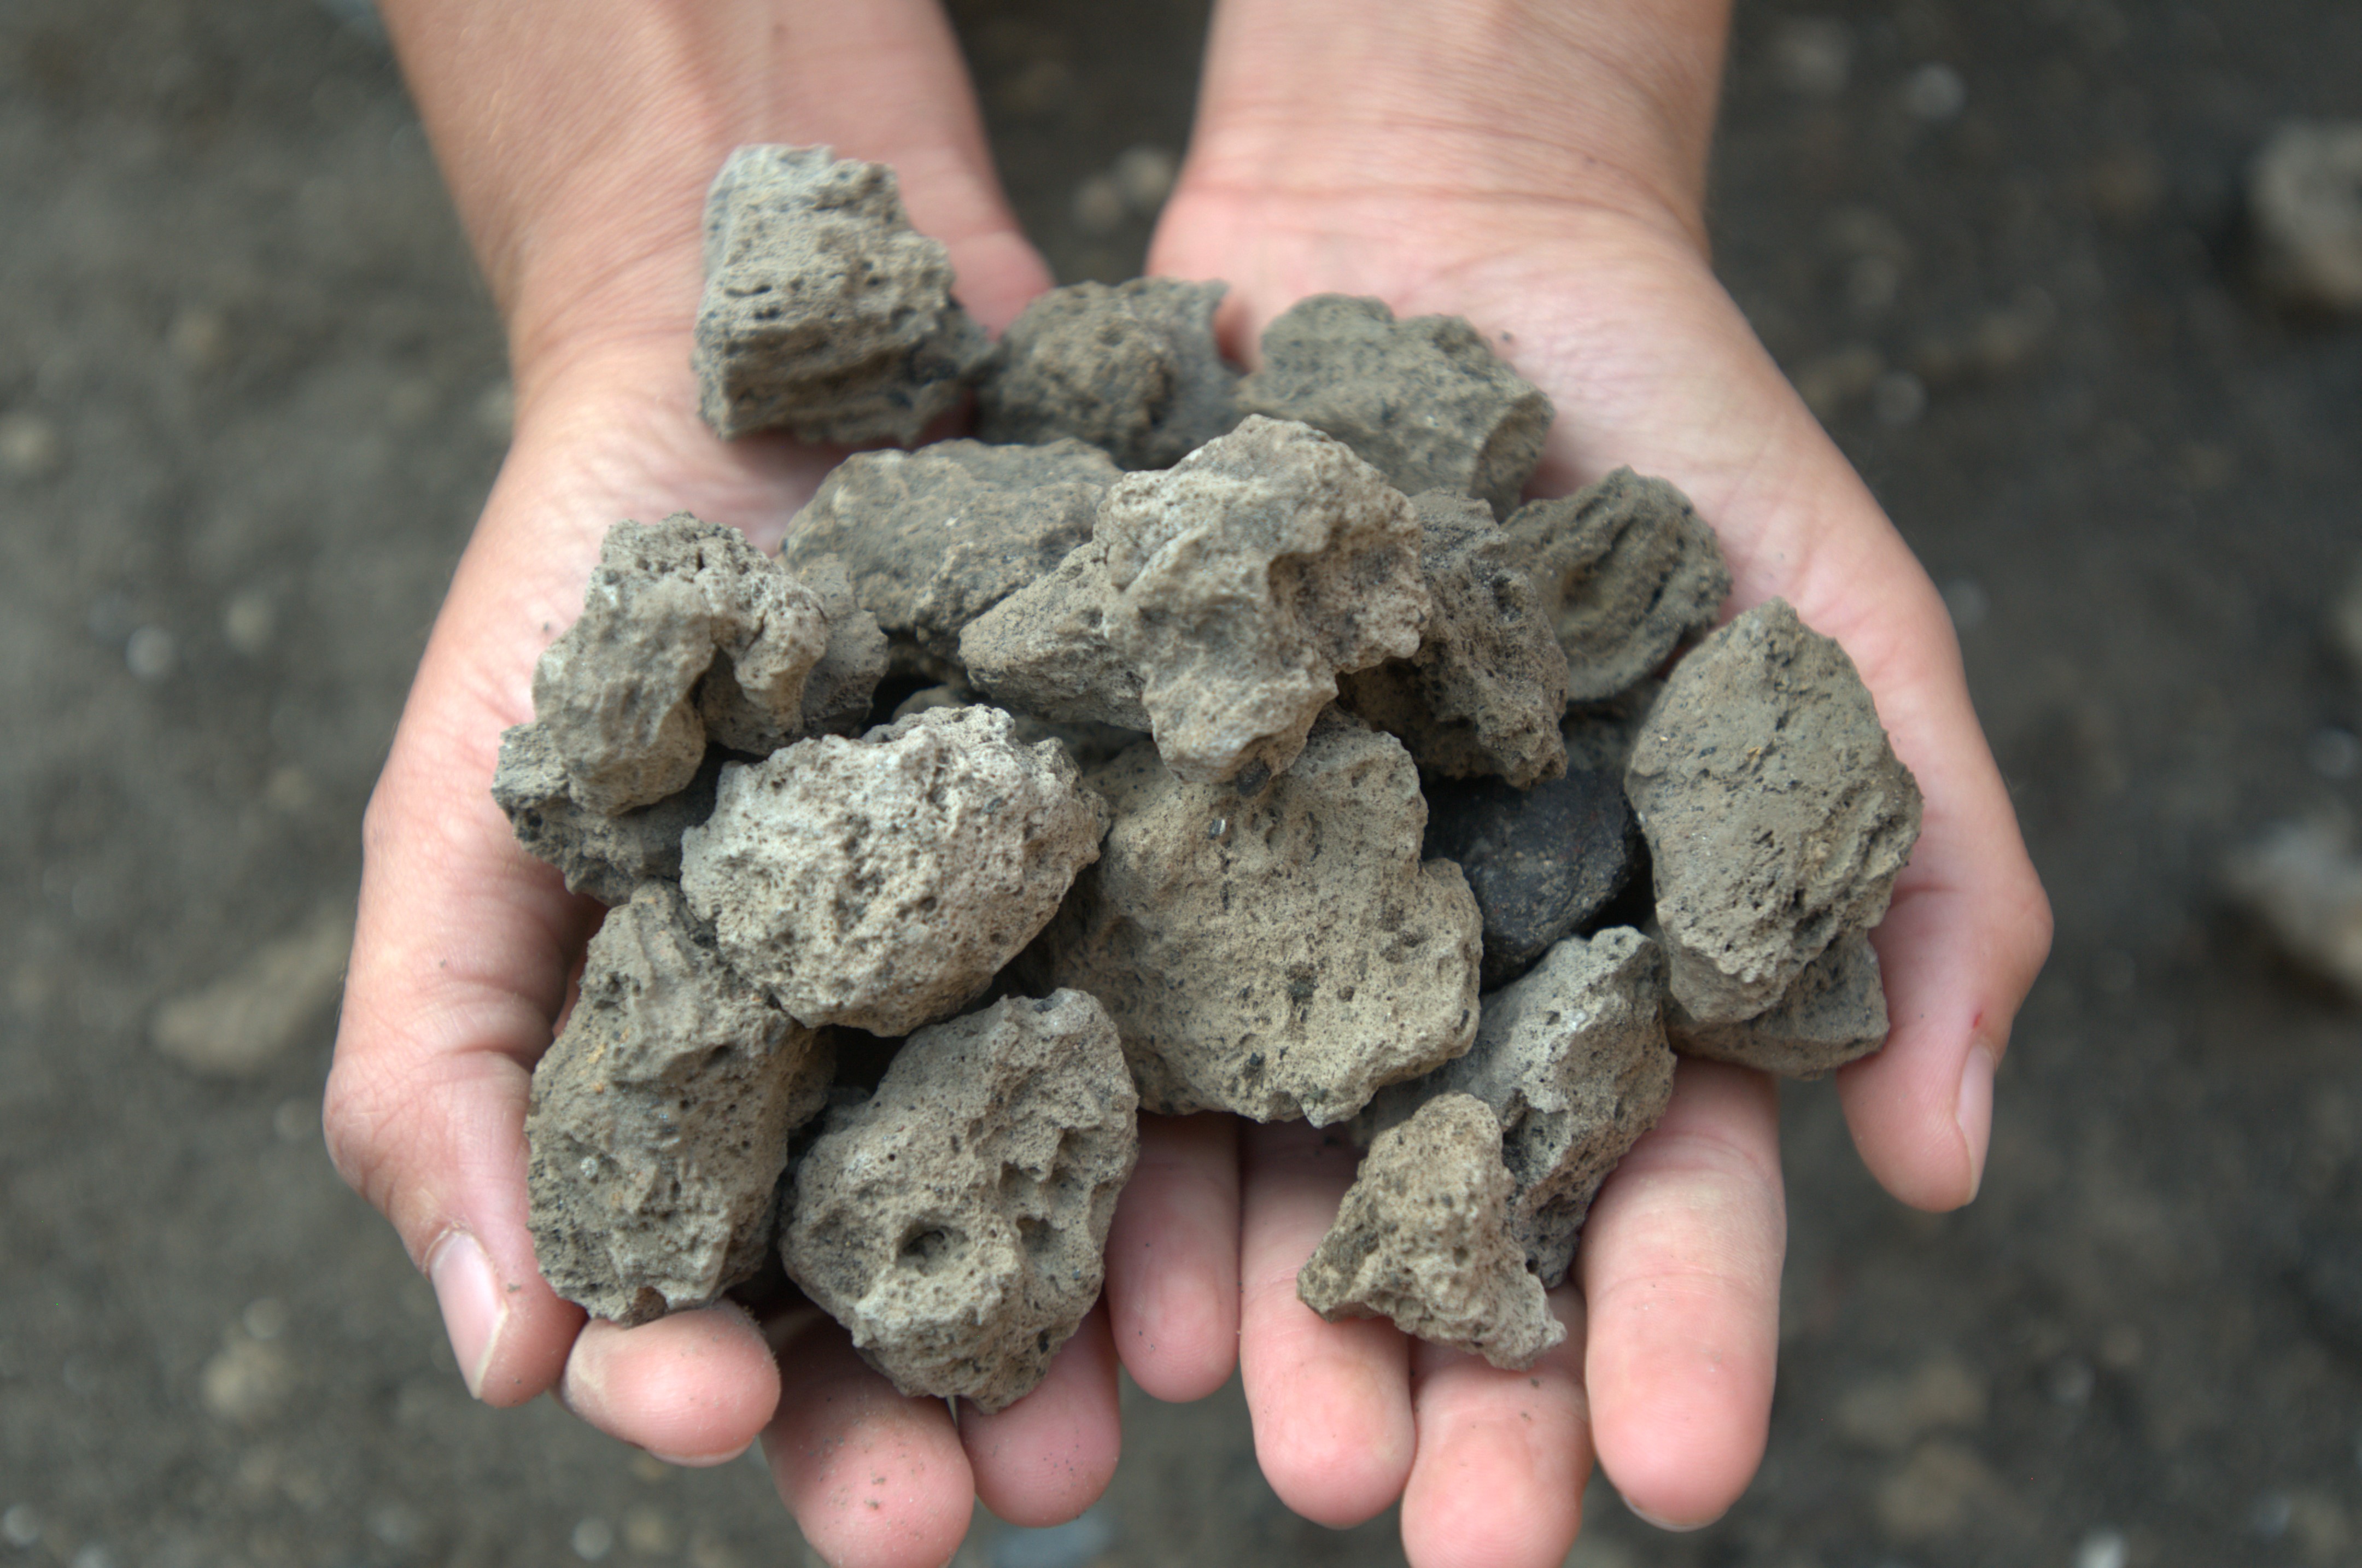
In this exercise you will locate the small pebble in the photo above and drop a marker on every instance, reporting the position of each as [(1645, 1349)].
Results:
[(2072, 1380), (1100, 207), (20, 1525), (2269, 1518), (1934, 92), (199, 339), (249, 620), (2101, 1549), (150, 653), (1965, 598), (1813, 56), (265, 1318), (648, 1532), (295, 1121), (1144, 175), (1898, 399), (496, 410), (94, 1556), (2334, 754), (593, 1539), (30, 446), (396, 1525)]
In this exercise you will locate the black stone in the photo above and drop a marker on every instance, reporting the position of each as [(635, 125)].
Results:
[(1540, 861)]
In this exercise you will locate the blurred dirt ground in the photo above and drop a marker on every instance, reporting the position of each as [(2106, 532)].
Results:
[(251, 398)]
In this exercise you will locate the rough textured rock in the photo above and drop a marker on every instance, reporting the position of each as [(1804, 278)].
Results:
[(1573, 1060), (1776, 813), (954, 1221), (1833, 1013), (660, 1121), (824, 315), (1425, 400), (606, 857), (882, 882), (935, 537), (1090, 744), (2302, 880), (1279, 954), (1131, 368), (1487, 687), (1217, 602), (688, 633), (1541, 862), (1423, 1238), (2304, 196), (838, 690), (1625, 569)]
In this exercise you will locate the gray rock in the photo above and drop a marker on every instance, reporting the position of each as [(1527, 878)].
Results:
[(935, 537), (2304, 196), (955, 1221), (1833, 1013), (824, 315), (604, 858), (1280, 954), (1423, 1238), (1217, 602), (882, 882), (1541, 862), (660, 1121), (1625, 569), (1091, 745), (1131, 368), (688, 633), (1487, 687), (1573, 1060), (1776, 813), (837, 693), (1425, 400)]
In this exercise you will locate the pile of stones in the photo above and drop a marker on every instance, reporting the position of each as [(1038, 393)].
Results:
[(1192, 741)]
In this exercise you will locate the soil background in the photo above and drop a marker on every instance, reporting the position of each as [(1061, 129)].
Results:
[(252, 397)]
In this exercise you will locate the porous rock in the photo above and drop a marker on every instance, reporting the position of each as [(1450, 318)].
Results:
[(838, 690), (1625, 569), (1485, 691), (1776, 812), (935, 537), (659, 1120), (1574, 1061), (2304, 195), (824, 315), (1541, 862), (1426, 400), (1833, 1013), (1132, 369), (1423, 1237), (688, 633), (1090, 744), (955, 1221), (1279, 954), (882, 882), (2302, 880), (1217, 601), (606, 857)]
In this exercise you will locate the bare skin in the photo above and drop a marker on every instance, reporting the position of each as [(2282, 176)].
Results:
[(1340, 146)]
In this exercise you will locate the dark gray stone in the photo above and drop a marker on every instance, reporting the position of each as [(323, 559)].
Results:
[(1833, 1013), (1132, 369), (1540, 861), (606, 857)]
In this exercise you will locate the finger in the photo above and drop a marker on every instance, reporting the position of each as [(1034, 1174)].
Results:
[(1680, 1265), (1503, 1456), (1047, 1457), (694, 1388), (874, 1479), (1173, 1258), (1330, 1402)]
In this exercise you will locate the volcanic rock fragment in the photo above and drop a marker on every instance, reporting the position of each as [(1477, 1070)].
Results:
[(1422, 1237), (1279, 954), (1573, 1060), (1486, 688), (935, 537), (1625, 569), (955, 1222), (603, 856), (1090, 744), (824, 313), (838, 690), (882, 882), (2304, 194), (1541, 862), (659, 1120), (1425, 400), (1776, 813), (1131, 368), (1833, 1013), (1215, 603)]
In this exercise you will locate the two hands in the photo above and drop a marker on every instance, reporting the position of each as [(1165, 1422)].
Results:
[(1536, 167)]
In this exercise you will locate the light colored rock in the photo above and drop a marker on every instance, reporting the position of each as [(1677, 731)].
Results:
[(602, 857), (883, 882), (1132, 369), (2302, 880), (1090, 744), (2304, 195), (1278, 955), (1777, 814), (250, 1017), (658, 1126), (1833, 1012), (955, 1221), (824, 315), (1423, 1237)]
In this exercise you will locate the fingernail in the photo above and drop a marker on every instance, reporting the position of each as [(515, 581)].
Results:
[(699, 1460), (474, 1307), (1973, 1112), (1645, 1517)]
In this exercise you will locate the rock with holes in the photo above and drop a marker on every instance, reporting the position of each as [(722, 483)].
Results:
[(1426, 400), (824, 315), (1832, 1014), (955, 1221), (606, 857), (1625, 569), (882, 882), (1091, 745), (1279, 954), (1542, 862), (1573, 1060), (1485, 691), (1423, 1237), (660, 1121), (1131, 368), (1776, 812), (837, 693), (1217, 602)]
